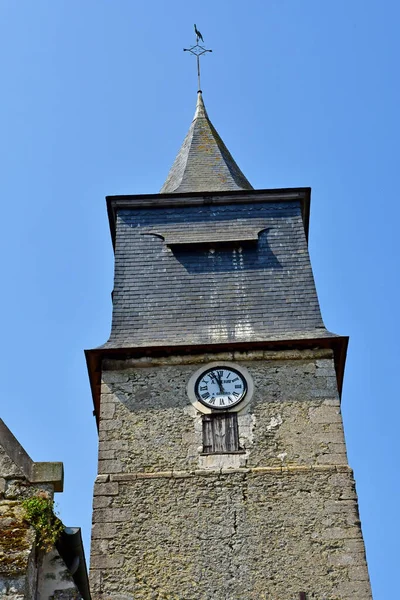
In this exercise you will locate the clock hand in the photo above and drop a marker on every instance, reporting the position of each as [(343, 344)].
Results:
[(221, 387), (216, 378)]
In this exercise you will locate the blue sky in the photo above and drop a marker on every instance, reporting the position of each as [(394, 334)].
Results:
[(96, 99)]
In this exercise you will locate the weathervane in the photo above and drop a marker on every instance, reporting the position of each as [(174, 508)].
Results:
[(197, 51)]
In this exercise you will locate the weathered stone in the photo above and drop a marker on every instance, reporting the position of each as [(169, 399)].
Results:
[(102, 501), (48, 472), (336, 459), (107, 410), (102, 479), (278, 518), (107, 454), (106, 489), (26, 570), (110, 424), (114, 445), (111, 515), (103, 530), (268, 535), (106, 561), (110, 466)]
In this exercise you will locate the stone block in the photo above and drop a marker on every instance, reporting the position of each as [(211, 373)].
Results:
[(106, 489), (340, 506), (106, 561), (103, 435), (102, 479), (110, 466), (332, 402), (100, 546), (339, 559), (107, 410), (103, 530), (324, 414), (354, 546), (110, 425), (324, 372), (48, 472), (109, 398), (358, 573), (111, 515), (350, 590), (324, 363), (102, 501), (114, 445), (109, 377), (332, 459), (326, 393), (125, 476), (105, 389), (329, 437), (95, 580), (107, 454), (339, 533)]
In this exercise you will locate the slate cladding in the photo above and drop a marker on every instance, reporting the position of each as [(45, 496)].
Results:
[(210, 292), (204, 163)]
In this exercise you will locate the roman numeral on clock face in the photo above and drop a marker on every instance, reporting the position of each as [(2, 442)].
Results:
[(205, 396)]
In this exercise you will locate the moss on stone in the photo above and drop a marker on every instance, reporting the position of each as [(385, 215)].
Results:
[(14, 546)]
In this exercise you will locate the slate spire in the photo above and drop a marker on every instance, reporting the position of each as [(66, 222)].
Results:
[(204, 163)]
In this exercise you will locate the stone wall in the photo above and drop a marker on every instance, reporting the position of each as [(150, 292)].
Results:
[(279, 519), (18, 557), (17, 553), (20, 561), (27, 572)]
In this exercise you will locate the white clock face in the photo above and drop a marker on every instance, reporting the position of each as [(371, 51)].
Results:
[(220, 387)]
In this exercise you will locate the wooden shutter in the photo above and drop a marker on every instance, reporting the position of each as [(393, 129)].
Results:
[(220, 433)]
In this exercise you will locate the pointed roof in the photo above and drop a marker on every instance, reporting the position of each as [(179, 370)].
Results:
[(204, 163)]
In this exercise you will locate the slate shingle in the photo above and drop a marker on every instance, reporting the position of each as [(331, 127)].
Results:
[(231, 293), (204, 163)]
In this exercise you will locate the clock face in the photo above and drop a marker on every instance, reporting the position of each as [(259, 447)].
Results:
[(220, 387)]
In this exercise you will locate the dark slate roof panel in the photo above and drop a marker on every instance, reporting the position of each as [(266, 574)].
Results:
[(204, 164), (166, 296)]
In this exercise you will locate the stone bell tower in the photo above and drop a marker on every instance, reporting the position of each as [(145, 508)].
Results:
[(222, 463)]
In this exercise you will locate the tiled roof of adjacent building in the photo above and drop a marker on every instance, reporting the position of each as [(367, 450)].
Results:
[(204, 163)]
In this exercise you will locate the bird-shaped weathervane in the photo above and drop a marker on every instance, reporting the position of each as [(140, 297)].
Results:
[(197, 50), (198, 34)]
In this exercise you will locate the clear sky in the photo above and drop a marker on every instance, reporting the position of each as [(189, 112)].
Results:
[(97, 96)]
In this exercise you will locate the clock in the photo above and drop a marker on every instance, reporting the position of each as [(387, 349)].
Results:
[(220, 387)]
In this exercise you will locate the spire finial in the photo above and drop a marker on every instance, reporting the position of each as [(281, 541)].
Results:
[(197, 50)]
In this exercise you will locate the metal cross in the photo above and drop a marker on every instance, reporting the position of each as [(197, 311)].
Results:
[(197, 50)]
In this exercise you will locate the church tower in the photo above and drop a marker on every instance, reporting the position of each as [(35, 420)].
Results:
[(222, 463)]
